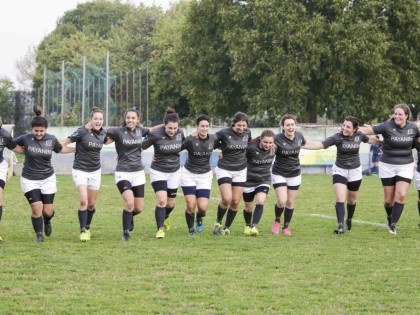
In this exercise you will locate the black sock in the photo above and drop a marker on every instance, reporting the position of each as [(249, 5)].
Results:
[(90, 214), (339, 210), (397, 210), (189, 217), (37, 224), (247, 217), (388, 214), (160, 216), (258, 211), (229, 218), (47, 218), (82, 219), (278, 212), (288, 214), (135, 213), (220, 213), (126, 220), (1, 212), (350, 211), (168, 212)]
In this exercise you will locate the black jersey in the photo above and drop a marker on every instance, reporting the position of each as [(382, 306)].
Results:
[(259, 163), (287, 162), (347, 149), (233, 147), (6, 141), (199, 153), (128, 145), (88, 149), (37, 165), (166, 158), (398, 142)]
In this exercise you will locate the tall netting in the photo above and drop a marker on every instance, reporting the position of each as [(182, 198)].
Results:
[(84, 87)]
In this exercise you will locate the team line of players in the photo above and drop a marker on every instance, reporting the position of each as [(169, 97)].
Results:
[(245, 169)]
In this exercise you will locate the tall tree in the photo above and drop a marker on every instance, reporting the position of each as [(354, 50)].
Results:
[(165, 80), (6, 102), (202, 58)]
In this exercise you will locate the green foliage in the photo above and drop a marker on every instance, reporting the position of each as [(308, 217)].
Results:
[(6, 101), (263, 57), (166, 80), (203, 60)]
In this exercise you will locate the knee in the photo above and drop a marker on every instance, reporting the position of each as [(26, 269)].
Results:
[(83, 204)]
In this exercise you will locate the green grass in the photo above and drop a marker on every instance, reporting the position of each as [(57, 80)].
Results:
[(311, 272)]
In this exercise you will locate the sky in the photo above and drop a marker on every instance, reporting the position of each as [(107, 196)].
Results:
[(24, 23)]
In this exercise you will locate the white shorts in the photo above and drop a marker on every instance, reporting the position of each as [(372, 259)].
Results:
[(248, 190), (200, 181), (47, 186), (236, 176), (172, 179), (4, 169), (417, 180), (289, 181), (352, 175), (391, 170), (134, 178), (90, 179)]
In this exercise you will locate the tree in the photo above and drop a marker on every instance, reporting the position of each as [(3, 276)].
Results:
[(202, 58), (6, 101), (26, 67), (165, 81)]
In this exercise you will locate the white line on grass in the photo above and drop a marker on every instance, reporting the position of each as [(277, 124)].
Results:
[(358, 221)]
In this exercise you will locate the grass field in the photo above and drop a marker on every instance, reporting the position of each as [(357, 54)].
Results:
[(312, 272)]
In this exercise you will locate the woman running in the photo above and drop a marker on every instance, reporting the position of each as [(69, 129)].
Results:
[(129, 174), (165, 170), (347, 170), (196, 175), (396, 163), (86, 171), (260, 155), (231, 170), (286, 173), (38, 181)]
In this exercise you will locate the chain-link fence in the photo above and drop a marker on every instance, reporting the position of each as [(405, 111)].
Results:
[(68, 96)]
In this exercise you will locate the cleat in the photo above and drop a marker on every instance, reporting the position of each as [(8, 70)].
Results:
[(39, 238), (132, 224), (286, 231), (47, 228), (254, 231), (392, 229), (1, 240), (191, 232), (247, 230), (167, 224), (126, 236), (160, 233), (84, 237), (275, 228), (339, 230), (199, 225), (226, 231), (217, 228), (88, 233), (348, 225)]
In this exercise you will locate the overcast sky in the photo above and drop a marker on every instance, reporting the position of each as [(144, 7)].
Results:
[(24, 23)]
